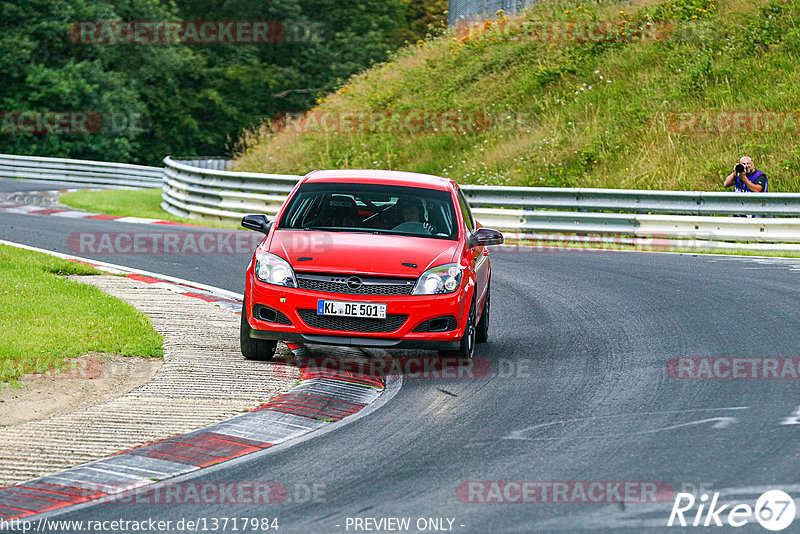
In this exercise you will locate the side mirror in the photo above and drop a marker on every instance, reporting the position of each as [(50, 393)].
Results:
[(483, 237), (259, 223)]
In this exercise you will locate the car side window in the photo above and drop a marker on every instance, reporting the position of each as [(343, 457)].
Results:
[(465, 212)]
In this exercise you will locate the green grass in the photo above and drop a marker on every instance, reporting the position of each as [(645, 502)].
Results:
[(133, 203), (591, 114), (46, 318)]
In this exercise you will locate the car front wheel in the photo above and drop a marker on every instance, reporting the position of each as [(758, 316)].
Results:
[(254, 349), (482, 330), (467, 344)]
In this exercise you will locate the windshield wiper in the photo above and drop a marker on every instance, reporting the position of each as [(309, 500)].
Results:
[(341, 229)]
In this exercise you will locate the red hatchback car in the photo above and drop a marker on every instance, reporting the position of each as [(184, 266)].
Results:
[(371, 259)]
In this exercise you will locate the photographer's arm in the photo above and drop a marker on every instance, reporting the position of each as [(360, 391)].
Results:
[(755, 188), (730, 180)]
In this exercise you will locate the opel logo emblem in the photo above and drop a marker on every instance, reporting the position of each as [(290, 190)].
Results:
[(354, 282)]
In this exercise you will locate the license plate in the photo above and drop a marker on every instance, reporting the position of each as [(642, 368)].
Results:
[(351, 309)]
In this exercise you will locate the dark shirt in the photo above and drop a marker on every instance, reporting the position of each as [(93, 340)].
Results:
[(757, 177)]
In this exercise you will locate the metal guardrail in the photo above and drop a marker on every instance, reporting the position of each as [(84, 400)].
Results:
[(79, 171), (218, 164), (634, 201), (474, 9), (199, 188), (191, 191)]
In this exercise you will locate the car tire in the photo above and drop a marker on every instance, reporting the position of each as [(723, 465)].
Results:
[(482, 330), (467, 343), (254, 349)]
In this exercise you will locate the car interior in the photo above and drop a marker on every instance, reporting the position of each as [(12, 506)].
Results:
[(371, 211)]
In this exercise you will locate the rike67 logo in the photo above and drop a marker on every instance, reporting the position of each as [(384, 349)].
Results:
[(774, 511)]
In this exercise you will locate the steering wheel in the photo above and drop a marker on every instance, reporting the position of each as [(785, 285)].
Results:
[(413, 227), (380, 215)]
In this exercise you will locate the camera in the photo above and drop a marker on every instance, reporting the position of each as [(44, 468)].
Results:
[(740, 167)]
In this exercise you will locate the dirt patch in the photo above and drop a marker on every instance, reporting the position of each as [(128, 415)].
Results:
[(90, 379)]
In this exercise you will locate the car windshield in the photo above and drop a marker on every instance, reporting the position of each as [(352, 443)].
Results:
[(372, 208)]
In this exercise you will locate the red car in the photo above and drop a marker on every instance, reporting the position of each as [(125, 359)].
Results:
[(372, 259)]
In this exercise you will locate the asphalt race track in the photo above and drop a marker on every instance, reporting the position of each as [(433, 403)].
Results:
[(15, 186), (578, 391), (53, 233)]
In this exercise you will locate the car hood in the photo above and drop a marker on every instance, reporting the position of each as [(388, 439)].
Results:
[(361, 253)]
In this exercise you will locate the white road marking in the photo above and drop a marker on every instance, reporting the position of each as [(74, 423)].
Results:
[(22, 209), (137, 220), (793, 419), (720, 422), (73, 214)]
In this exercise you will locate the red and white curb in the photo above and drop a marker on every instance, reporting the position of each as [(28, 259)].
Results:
[(31, 208), (38, 210), (323, 398)]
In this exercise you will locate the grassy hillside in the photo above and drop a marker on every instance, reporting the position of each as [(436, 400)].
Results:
[(568, 113)]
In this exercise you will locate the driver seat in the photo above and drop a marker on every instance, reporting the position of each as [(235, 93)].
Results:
[(341, 212)]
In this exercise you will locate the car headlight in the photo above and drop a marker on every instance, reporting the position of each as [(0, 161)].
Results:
[(442, 279), (274, 270)]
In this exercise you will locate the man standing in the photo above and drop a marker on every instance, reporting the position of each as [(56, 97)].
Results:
[(746, 178)]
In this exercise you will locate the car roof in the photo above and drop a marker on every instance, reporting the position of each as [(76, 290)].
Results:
[(375, 176)]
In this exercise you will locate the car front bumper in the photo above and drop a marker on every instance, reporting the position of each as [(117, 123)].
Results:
[(419, 309)]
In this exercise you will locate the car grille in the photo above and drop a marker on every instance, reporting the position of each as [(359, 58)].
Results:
[(352, 324), (439, 324), (370, 285)]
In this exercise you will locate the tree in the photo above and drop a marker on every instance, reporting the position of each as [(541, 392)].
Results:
[(182, 99)]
